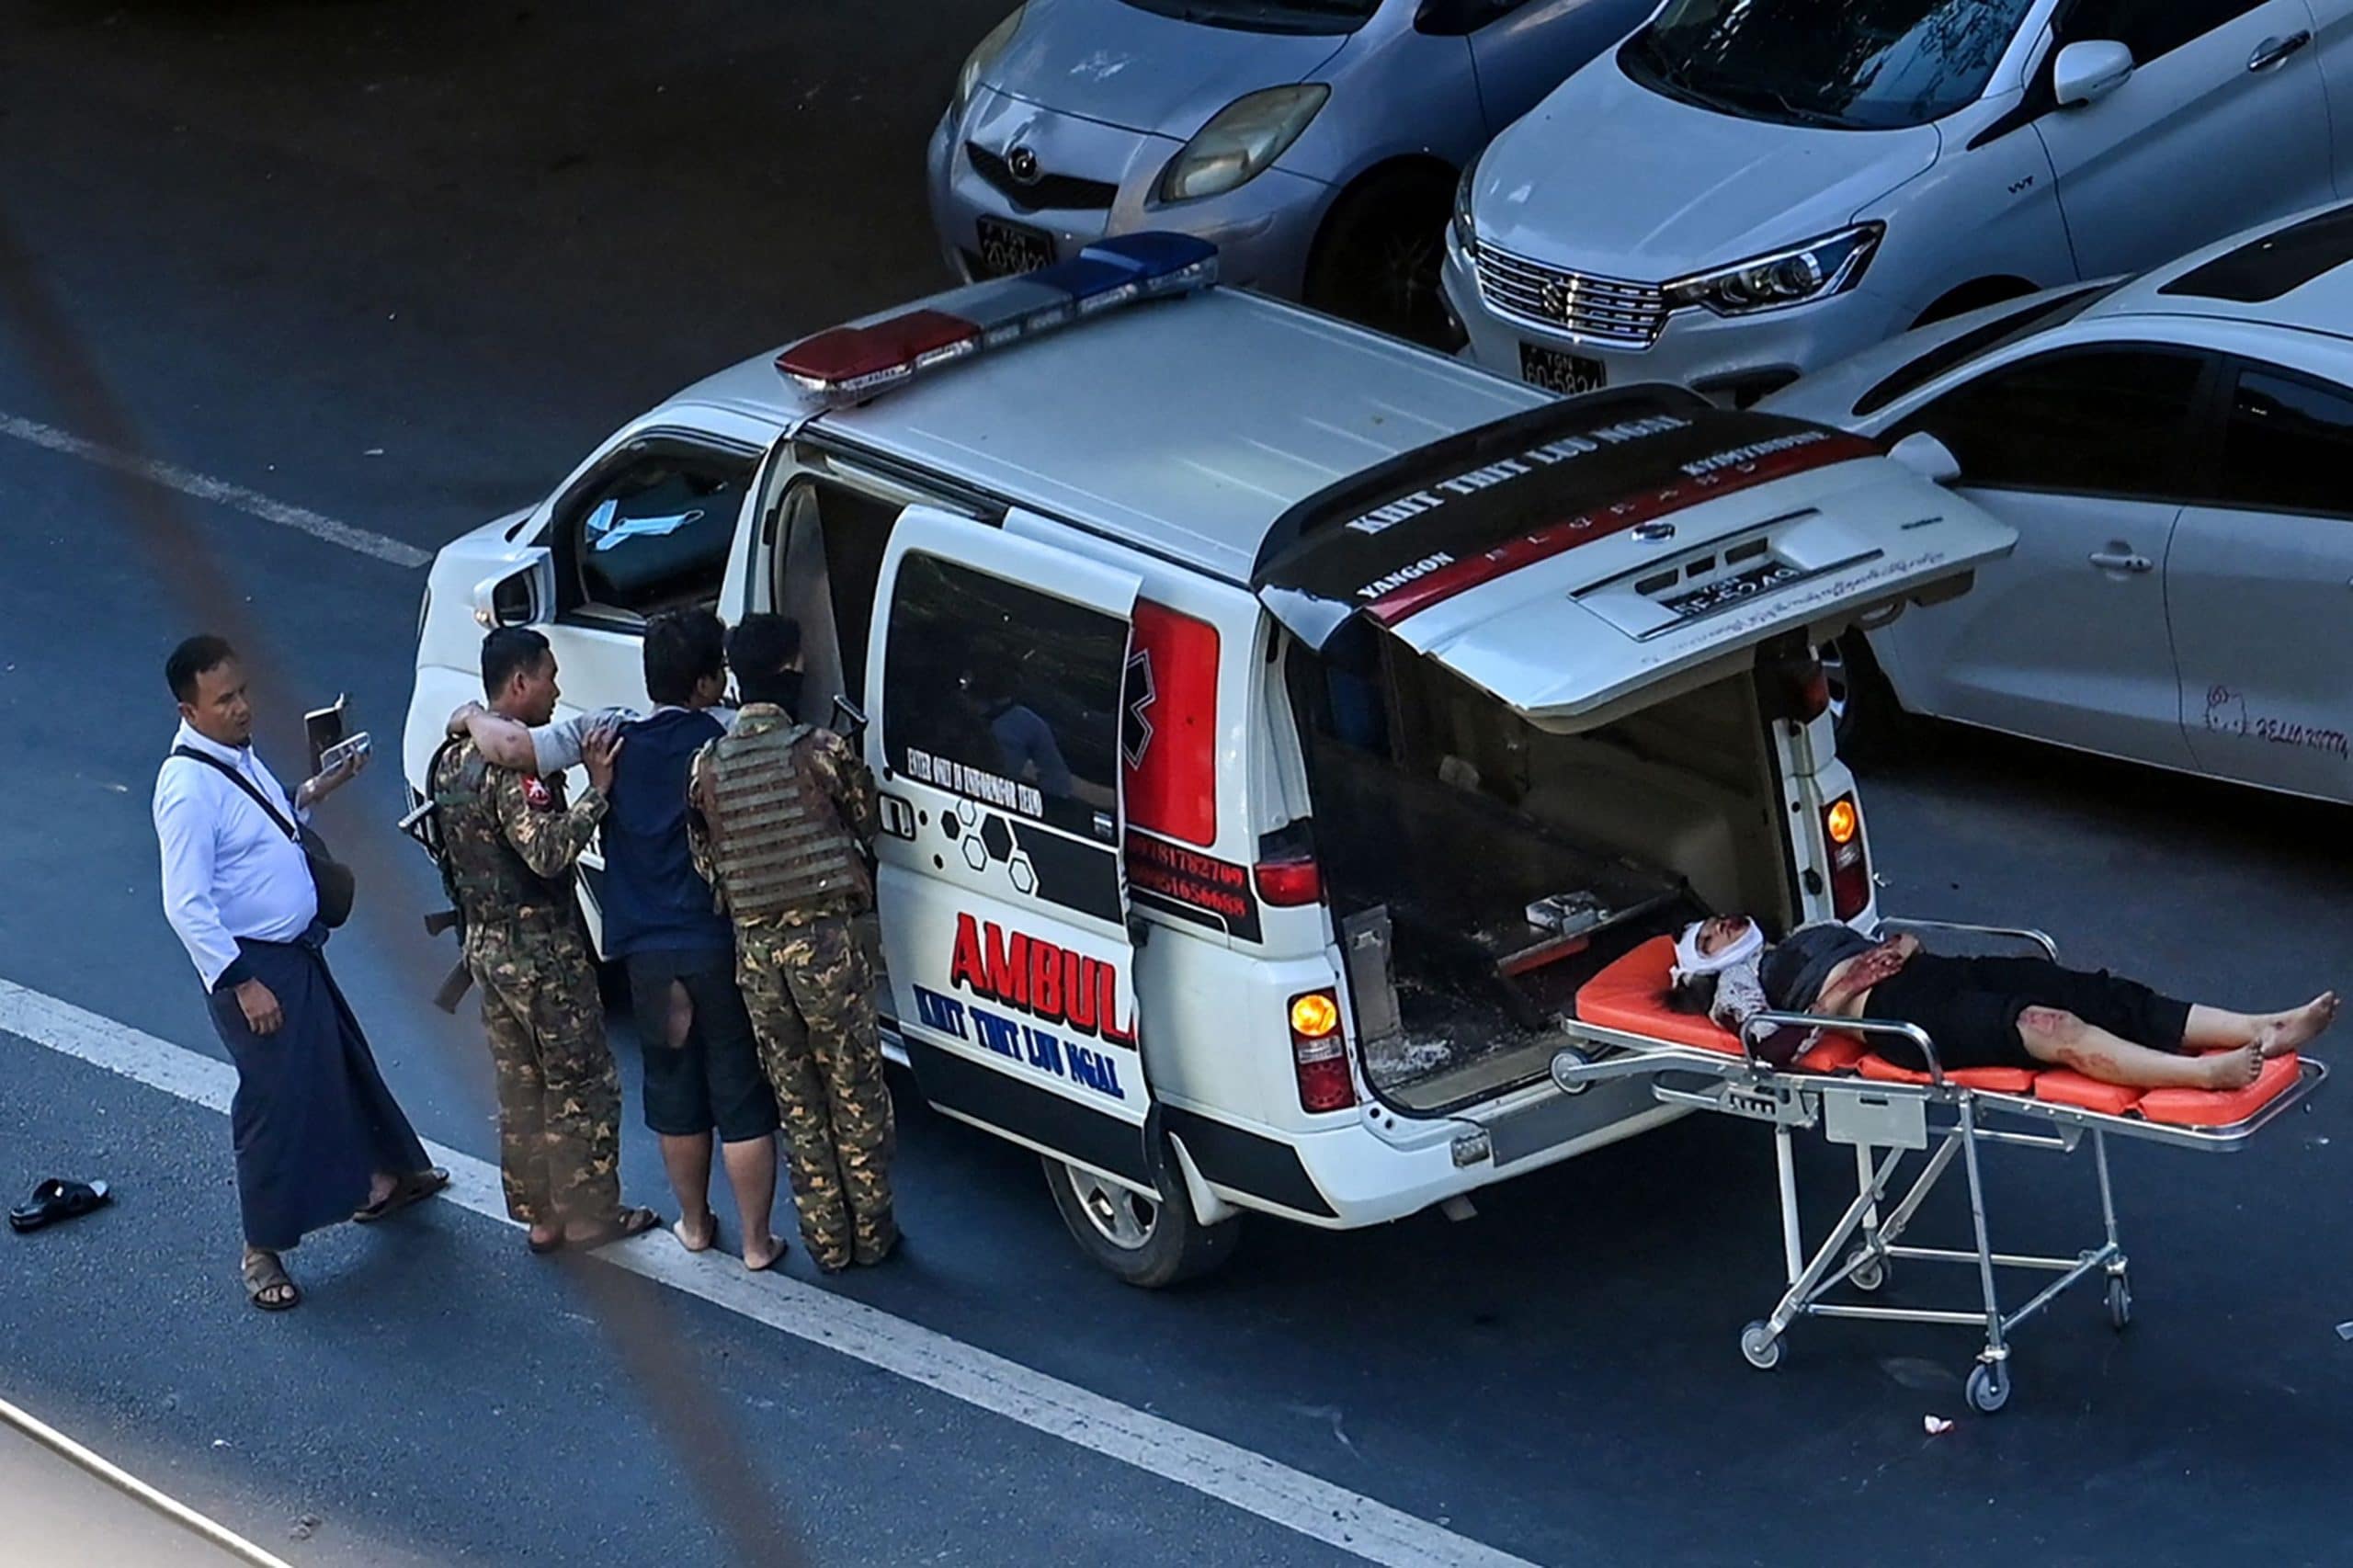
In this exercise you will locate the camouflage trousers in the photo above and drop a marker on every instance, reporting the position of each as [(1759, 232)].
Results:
[(809, 988), (559, 1092)]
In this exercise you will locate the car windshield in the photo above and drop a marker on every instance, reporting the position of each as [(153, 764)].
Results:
[(1852, 65), (1267, 15)]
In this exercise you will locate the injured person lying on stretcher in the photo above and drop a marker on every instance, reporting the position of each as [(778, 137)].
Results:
[(1979, 1012)]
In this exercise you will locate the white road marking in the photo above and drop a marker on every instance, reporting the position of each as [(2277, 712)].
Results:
[(253, 503), (1232, 1474)]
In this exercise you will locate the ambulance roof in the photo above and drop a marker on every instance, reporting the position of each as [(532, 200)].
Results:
[(1185, 426)]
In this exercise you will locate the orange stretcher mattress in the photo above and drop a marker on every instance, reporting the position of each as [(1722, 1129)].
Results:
[(1631, 996)]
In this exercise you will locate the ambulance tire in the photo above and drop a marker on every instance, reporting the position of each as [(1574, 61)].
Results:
[(1145, 1244)]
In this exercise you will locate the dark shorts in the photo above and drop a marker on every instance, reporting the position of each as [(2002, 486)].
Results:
[(1970, 1008), (714, 1080)]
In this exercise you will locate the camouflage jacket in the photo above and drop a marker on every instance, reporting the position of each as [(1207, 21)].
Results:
[(510, 839), (840, 774)]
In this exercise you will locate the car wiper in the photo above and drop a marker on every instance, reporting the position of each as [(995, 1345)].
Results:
[(1781, 100)]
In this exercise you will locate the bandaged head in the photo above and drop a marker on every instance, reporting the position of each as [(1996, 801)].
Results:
[(1690, 963)]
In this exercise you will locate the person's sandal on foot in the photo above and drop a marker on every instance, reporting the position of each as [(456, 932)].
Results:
[(758, 1263), (619, 1228), (267, 1285), (413, 1188)]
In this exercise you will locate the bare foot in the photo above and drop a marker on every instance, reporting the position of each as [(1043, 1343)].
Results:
[(2233, 1069), (759, 1258), (697, 1238), (2286, 1031), (380, 1188)]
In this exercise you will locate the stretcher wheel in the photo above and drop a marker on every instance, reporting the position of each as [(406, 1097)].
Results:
[(1870, 1271), (1989, 1386), (1581, 1059), (1761, 1345), (2119, 1302)]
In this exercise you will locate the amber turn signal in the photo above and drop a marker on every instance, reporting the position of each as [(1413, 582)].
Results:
[(1841, 821), (1314, 1014)]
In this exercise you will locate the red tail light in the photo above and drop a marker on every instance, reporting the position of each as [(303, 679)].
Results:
[(1850, 859), (1320, 1052), (1290, 882)]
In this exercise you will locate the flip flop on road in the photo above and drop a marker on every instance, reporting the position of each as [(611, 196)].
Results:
[(267, 1285), (619, 1228), (55, 1199), (413, 1188)]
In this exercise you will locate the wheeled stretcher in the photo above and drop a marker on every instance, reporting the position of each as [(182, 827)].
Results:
[(1839, 1087)]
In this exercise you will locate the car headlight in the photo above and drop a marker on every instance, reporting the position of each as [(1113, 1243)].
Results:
[(1241, 140), (1810, 271), (984, 54), (1466, 233)]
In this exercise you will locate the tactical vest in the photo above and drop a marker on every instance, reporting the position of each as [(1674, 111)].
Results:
[(781, 847), (490, 882)]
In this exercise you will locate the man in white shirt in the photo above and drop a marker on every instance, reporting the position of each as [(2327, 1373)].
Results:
[(318, 1137)]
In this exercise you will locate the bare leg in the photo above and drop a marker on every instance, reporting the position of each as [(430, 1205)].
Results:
[(2062, 1040), (689, 1161), (751, 1171), (2212, 1029)]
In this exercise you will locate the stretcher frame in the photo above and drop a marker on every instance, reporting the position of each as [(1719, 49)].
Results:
[(1940, 1119)]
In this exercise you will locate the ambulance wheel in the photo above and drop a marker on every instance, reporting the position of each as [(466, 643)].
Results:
[(1142, 1240), (1869, 1275), (1989, 1386), (2119, 1302), (1761, 1345)]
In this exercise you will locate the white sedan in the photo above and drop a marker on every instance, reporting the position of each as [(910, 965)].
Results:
[(1748, 190), (2176, 452)]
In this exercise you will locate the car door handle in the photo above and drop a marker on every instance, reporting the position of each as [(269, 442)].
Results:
[(2272, 51), (2118, 561)]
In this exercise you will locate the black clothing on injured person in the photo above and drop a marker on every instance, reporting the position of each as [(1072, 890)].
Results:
[(1968, 1006)]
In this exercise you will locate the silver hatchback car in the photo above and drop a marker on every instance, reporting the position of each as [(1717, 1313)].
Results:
[(1316, 143)]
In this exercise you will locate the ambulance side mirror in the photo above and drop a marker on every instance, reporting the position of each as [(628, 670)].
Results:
[(518, 596), (1928, 457)]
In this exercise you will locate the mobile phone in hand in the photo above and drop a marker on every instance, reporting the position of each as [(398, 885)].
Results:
[(333, 759)]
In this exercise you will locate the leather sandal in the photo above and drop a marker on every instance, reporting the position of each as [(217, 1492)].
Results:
[(413, 1188)]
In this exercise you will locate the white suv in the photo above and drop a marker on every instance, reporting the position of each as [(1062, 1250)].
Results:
[(1746, 190)]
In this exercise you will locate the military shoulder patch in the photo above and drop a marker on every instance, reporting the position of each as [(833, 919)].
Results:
[(536, 794)]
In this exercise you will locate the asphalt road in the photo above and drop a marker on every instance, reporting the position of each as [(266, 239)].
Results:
[(401, 266)]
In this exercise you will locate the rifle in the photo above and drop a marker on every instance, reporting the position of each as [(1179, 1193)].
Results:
[(424, 825), (461, 979)]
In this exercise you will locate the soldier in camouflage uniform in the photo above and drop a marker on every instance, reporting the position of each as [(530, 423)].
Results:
[(782, 812), (509, 844)]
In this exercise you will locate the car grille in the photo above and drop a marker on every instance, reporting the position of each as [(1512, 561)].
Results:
[(1605, 309), (1047, 193)]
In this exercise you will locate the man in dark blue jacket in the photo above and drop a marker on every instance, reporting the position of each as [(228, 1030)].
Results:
[(702, 1065)]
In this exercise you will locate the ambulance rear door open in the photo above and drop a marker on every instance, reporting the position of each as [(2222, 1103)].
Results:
[(995, 682), (1598, 554)]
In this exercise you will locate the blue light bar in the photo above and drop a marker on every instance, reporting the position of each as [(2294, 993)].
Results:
[(852, 364)]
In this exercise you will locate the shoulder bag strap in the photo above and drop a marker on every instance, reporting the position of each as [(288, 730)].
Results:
[(242, 782)]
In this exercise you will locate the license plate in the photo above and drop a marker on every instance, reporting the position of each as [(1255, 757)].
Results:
[(1557, 371), (1010, 248), (1731, 590)]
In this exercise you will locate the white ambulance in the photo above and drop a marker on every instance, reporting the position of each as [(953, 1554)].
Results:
[(1275, 722)]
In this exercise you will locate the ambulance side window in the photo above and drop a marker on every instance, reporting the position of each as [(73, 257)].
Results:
[(651, 533), (997, 692)]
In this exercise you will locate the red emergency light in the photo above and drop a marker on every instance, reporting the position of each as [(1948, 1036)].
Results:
[(851, 364)]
